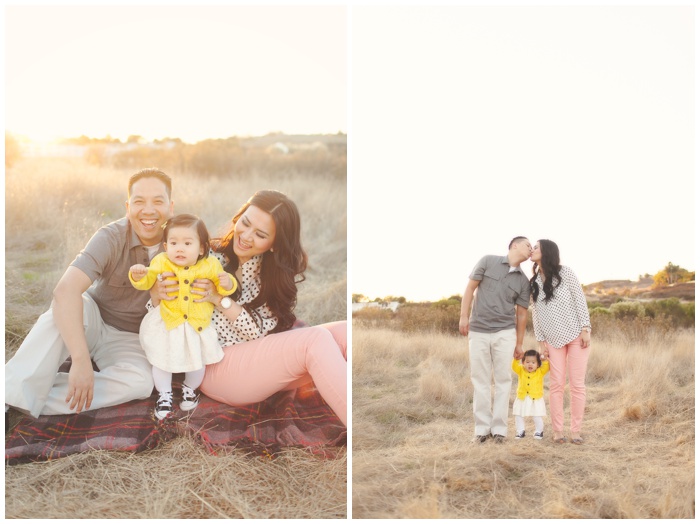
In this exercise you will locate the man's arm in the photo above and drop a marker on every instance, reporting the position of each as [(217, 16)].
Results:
[(67, 308), (520, 325), (467, 306)]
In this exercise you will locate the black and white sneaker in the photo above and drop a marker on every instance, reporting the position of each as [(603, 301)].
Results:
[(190, 398), (537, 435), (164, 405), (520, 435)]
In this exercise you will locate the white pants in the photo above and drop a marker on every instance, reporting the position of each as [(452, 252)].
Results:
[(490, 357), (32, 381)]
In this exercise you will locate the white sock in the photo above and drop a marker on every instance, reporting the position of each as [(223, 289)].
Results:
[(539, 424), (163, 380), (193, 379), (519, 424)]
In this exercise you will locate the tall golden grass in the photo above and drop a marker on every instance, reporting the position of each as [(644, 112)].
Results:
[(52, 208), (413, 425)]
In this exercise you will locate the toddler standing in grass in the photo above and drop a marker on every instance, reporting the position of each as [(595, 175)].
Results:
[(177, 336), (529, 400)]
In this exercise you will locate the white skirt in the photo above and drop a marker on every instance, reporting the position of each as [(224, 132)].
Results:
[(529, 407), (180, 349)]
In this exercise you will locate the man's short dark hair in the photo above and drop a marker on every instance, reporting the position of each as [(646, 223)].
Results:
[(516, 240), (151, 172)]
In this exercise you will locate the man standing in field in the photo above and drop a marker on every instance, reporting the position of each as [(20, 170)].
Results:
[(496, 330), (95, 316)]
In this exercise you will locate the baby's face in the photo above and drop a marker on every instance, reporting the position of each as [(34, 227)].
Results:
[(183, 246), (530, 364)]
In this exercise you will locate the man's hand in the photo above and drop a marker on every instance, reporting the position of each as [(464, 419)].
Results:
[(164, 285), (81, 383), (518, 352), (464, 326)]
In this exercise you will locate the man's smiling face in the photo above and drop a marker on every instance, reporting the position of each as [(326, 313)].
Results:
[(148, 208)]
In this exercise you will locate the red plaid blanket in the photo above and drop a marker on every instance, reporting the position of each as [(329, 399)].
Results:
[(298, 418)]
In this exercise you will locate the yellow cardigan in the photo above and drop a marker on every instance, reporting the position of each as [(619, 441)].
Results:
[(184, 309), (530, 383)]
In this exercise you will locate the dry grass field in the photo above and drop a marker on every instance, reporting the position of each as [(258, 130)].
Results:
[(413, 424), (52, 207)]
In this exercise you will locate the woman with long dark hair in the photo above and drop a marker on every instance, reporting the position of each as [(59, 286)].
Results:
[(563, 329), (262, 354)]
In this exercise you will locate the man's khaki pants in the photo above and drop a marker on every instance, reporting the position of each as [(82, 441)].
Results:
[(34, 385), (491, 355)]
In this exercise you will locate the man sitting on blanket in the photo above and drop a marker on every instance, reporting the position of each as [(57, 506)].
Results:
[(95, 316)]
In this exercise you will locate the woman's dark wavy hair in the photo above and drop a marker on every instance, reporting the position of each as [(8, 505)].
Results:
[(551, 266), (532, 353), (193, 221), (282, 267)]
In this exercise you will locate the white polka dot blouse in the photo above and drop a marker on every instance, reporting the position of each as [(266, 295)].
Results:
[(560, 320)]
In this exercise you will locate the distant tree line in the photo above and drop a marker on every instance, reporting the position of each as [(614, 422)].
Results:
[(323, 155), (631, 316), (359, 297)]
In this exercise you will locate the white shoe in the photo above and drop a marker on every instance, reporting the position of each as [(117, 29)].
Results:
[(164, 405), (190, 398)]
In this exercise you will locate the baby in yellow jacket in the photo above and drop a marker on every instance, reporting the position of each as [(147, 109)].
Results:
[(529, 400), (177, 337)]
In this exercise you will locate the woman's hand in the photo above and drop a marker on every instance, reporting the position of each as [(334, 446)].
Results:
[(164, 285), (544, 350), (206, 289), (585, 339)]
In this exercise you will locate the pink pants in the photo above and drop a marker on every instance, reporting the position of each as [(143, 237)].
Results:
[(574, 358), (252, 371)]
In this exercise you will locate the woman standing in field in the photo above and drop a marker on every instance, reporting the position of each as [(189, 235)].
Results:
[(262, 354), (563, 329)]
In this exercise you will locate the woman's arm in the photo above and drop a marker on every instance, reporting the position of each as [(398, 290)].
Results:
[(579, 304), (245, 325)]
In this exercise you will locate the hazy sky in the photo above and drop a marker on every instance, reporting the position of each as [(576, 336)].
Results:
[(178, 71), (468, 124), (474, 124)]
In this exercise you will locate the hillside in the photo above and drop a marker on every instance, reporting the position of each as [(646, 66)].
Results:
[(607, 291)]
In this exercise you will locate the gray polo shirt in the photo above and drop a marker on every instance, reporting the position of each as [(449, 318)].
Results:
[(498, 292), (106, 260)]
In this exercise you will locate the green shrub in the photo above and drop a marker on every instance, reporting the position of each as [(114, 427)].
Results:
[(429, 317), (627, 310), (599, 311), (373, 316), (689, 309), (633, 319), (672, 310)]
